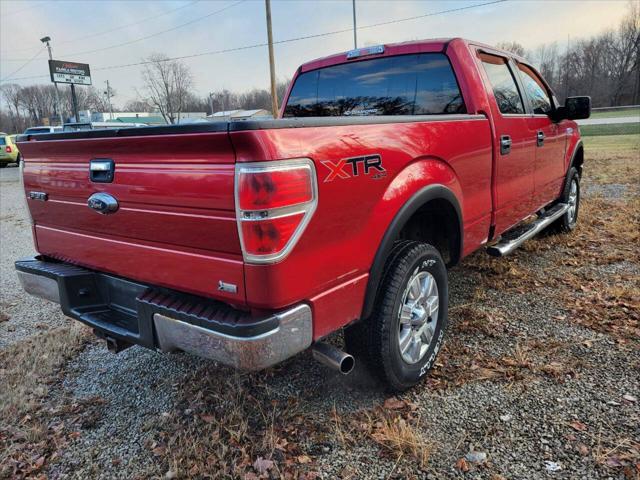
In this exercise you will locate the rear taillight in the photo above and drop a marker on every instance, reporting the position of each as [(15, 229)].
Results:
[(8, 149), (274, 203)]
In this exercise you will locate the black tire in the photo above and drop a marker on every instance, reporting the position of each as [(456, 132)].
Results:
[(379, 335), (567, 222), (18, 160), (2, 165), (356, 335)]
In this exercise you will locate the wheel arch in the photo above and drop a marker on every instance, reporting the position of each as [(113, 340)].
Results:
[(432, 195), (577, 158)]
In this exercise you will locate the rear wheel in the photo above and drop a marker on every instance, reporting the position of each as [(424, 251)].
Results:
[(2, 165), (404, 334)]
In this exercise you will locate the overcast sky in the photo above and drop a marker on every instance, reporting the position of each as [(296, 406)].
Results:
[(93, 32)]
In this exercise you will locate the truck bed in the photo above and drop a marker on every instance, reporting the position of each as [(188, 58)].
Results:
[(176, 224)]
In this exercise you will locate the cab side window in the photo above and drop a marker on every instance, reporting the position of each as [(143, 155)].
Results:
[(535, 91), (503, 84)]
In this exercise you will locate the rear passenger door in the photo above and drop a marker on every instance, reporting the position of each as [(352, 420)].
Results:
[(513, 145), (549, 136)]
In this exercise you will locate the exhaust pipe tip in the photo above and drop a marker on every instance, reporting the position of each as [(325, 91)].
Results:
[(333, 358), (347, 365)]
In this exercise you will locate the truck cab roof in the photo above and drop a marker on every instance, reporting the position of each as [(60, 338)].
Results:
[(389, 49)]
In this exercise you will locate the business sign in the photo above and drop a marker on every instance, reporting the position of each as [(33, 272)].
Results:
[(69, 72)]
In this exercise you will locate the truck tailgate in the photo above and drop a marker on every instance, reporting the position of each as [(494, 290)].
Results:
[(175, 224)]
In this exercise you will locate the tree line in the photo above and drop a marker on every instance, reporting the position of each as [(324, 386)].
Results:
[(605, 66)]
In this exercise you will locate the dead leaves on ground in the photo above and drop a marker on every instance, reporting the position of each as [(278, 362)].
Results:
[(584, 272), (32, 432)]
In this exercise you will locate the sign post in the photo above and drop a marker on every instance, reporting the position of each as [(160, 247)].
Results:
[(72, 73)]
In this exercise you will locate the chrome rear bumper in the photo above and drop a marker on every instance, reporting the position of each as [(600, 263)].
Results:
[(292, 335), (127, 312)]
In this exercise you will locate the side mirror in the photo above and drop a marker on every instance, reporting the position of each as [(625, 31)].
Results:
[(576, 108)]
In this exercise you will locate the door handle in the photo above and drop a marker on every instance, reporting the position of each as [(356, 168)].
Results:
[(505, 144), (540, 138)]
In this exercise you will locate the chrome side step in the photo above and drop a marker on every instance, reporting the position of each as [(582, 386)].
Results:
[(520, 234)]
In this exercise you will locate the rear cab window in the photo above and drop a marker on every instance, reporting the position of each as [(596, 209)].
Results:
[(503, 84), (415, 84)]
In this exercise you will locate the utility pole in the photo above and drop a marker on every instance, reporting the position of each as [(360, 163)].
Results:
[(108, 93), (46, 41), (272, 67), (211, 102), (355, 35), (566, 69), (75, 102)]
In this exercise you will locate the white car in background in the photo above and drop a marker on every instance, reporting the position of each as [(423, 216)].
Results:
[(42, 129)]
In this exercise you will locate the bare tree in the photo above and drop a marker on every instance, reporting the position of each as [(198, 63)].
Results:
[(168, 84), (11, 94), (513, 47), (138, 105), (97, 101)]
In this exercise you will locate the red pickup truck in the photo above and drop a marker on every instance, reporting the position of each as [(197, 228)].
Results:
[(249, 241)]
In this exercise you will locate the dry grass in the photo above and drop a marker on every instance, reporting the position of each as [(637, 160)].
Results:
[(612, 159), (27, 368), (30, 435), (401, 439), (227, 423), (528, 360), (576, 278)]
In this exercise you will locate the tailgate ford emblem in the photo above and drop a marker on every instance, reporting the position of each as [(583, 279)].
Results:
[(102, 203)]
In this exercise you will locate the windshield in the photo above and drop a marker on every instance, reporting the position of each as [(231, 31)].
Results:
[(421, 84)]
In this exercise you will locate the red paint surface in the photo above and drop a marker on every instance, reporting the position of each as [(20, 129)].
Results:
[(176, 223)]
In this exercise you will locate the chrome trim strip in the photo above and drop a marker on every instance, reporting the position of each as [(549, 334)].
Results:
[(293, 335)]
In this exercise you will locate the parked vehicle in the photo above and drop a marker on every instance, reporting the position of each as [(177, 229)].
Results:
[(76, 126), (44, 129), (248, 242), (9, 152)]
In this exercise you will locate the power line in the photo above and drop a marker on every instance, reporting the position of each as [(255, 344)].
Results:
[(111, 30), (289, 40), (24, 65), (156, 33), (121, 27), (5, 15)]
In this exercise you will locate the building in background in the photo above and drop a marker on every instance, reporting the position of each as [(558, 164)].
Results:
[(227, 115), (150, 118)]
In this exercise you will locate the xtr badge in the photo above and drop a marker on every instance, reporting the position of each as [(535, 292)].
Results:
[(354, 166), (103, 203)]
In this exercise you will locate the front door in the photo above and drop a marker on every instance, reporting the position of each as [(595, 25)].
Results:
[(514, 148), (550, 138)]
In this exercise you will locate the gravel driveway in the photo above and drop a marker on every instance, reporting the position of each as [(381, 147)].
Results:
[(23, 314), (527, 387)]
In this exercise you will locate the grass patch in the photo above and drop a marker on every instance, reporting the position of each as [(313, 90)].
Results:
[(627, 112), (610, 129), (227, 425), (400, 438), (27, 368), (612, 159), (29, 433), (617, 144)]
